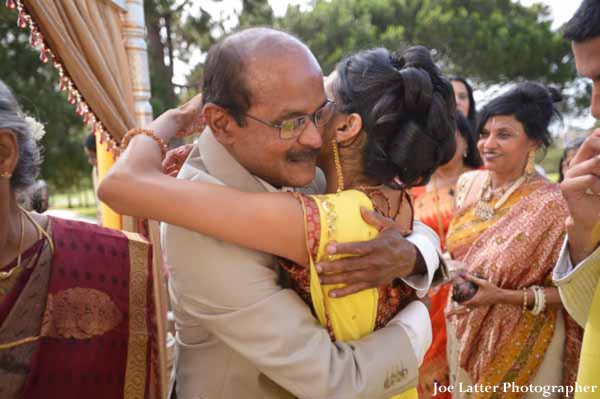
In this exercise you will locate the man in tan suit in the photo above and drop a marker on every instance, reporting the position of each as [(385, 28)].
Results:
[(240, 334)]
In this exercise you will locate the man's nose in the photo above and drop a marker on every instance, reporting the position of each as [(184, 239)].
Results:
[(311, 137)]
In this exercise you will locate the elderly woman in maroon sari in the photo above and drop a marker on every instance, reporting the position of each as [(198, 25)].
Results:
[(76, 304)]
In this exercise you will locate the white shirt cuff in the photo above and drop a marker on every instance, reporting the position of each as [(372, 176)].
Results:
[(564, 266), (415, 320), (422, 283)]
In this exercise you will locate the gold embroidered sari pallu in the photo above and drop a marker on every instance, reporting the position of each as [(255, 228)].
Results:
[(79, 322), (517, 248), (337, 217)]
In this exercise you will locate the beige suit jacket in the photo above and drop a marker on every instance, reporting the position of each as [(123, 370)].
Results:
[(241, 335)]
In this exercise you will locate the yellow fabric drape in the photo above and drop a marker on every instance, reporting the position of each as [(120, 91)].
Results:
[(353, 316), (590, 351), (110, 218), (86, 37)]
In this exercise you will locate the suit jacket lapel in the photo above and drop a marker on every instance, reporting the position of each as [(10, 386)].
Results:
[(220, 164)]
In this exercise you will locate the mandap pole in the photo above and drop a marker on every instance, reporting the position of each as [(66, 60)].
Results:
[(134, 30)]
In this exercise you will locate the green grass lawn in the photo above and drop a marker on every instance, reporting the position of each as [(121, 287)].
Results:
[(83, 203), (82, 199)]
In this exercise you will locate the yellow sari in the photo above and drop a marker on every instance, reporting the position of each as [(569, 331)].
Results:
[(354, 316)]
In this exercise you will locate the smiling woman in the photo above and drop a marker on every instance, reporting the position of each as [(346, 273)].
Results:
[(514, 216)]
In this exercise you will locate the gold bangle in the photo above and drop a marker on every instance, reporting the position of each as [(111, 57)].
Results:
[(134, 132), (524, 299)]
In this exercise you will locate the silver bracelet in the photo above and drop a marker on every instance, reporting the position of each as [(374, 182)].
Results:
[(536, 305), (542, 292)]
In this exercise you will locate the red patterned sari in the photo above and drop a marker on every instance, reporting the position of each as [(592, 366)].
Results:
[(79, 321)]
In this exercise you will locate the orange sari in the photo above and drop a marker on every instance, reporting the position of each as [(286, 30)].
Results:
[(77, 319), (435, 209), (517, 248)]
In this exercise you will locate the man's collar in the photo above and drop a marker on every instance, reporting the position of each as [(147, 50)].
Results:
[(222, 165)]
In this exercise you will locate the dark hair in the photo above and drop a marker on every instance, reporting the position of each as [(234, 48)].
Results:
[(473, 159), (472, 114), (90, 143), (532, 104), (407, 109), (11, 118), (571, 145), (585, 24), (224, 82)]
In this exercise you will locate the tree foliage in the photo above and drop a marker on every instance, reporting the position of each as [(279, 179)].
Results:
[(36, 87), (491, 41)]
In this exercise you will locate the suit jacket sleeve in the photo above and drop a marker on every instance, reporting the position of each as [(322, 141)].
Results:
[(233, 292), (577, 285)]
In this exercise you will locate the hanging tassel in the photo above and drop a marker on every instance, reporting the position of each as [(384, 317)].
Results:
[(34, 39), (22, 21), (43, 55)]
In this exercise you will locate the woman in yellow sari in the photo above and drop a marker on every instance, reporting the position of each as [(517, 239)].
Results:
[(507, 230), (392, 122)]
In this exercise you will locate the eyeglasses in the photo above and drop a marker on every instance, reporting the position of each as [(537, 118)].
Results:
[(291, 128)]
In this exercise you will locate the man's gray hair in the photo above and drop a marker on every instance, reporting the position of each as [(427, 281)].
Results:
[(11, 118)]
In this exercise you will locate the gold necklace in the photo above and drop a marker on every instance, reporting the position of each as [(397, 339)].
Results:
[(484, 210), (40, 233), (7, 274)]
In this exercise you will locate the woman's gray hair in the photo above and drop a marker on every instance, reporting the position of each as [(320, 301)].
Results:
[(11, 118)]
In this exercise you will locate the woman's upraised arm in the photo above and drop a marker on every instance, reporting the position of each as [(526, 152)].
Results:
[(136, 186)]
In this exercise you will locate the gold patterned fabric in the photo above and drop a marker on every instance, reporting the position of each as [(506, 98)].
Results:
[(515, 249)]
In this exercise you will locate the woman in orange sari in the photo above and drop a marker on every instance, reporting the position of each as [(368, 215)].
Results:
[(510, 326), (434, 206), (77, 317)]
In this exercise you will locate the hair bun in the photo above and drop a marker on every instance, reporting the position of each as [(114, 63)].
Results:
[(418, 90), (554, 94)]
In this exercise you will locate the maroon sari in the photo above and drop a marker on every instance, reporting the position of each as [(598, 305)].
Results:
[(80, 322)]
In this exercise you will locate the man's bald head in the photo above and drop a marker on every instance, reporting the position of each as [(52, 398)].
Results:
[(238, 66)]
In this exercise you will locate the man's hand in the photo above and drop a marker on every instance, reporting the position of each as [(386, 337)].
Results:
[(581, 189), (374, 263)]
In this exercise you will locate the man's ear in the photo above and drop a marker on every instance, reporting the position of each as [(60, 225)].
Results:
[(348, 127), (9, 151), (220, 122)]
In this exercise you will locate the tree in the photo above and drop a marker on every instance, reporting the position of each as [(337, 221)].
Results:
[(173, 32), (36, 87), (491, 41)]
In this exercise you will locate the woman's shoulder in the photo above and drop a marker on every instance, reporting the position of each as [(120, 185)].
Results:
[(467, 187), (346, 198), (78, 231)]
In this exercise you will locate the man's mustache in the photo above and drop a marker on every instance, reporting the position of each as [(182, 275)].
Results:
[(302, 155)]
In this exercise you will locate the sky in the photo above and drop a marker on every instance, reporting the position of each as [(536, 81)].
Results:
[(561, 12)]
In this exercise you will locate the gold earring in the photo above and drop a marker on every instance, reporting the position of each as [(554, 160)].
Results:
[(530, 167), (6, 175), (338, 166)]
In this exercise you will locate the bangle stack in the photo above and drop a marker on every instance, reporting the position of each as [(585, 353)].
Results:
[(134, 132), (539, 295), (524, 299)]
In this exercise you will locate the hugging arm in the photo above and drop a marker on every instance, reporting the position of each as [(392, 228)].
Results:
[(137, 186), (274, 330)]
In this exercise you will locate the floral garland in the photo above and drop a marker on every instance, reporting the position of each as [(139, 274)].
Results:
[(66, 83)]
